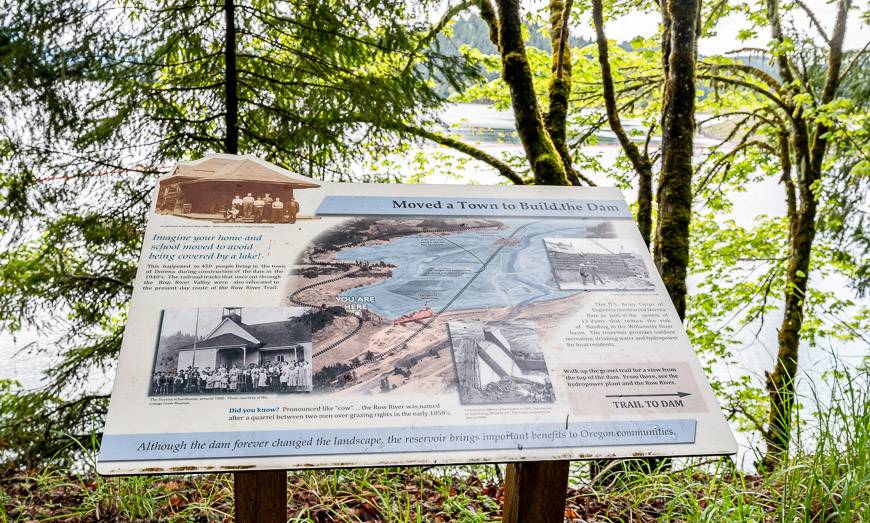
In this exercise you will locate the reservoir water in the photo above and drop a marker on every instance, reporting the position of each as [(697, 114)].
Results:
[(433, 269), (755, 350)]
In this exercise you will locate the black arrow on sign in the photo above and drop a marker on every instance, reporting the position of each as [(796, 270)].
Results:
[(678, 394)]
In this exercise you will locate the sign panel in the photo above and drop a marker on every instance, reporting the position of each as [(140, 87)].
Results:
[(280, 322)]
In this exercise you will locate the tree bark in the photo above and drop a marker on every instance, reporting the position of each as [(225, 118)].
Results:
[(671, 247), (666, 49), (639, 161), (231, 80), (809, 146), (543, 157), (559, 90), (560, 73), (644, 202)]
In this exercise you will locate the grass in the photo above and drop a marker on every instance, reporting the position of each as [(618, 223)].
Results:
[(714, 493), (827, 479)]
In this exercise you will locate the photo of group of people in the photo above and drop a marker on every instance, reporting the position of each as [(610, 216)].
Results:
[(233, 350), (277, 377), (261, 209), (221, 189)]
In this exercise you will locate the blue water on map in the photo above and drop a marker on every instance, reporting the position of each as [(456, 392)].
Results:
[(431, 269)]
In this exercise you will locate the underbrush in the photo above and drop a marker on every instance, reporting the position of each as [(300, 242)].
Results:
[(826, 479)]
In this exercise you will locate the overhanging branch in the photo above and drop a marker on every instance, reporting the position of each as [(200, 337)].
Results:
[(503, 168)]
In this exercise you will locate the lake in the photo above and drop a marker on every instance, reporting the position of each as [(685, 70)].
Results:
[(755, 352), (514, 277)]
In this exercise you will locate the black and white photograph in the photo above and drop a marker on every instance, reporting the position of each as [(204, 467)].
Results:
[(233, 350), (225, 190), (590, 264), (499, 362)]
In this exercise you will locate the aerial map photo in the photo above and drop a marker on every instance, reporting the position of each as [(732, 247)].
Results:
[(382, 291)]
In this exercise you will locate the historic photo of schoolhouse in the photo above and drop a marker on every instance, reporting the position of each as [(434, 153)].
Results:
[(233, 350)]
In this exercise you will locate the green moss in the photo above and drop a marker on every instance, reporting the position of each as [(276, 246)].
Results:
[(549, 169)]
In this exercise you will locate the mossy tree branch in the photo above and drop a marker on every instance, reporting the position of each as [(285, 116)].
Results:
[(559, 89), (640, 161), (543, 157), (478, 154)]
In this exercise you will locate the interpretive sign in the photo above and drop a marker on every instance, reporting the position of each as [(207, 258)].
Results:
[(279, 322)]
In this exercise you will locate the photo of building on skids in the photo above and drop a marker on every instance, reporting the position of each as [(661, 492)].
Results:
[(232, 189)]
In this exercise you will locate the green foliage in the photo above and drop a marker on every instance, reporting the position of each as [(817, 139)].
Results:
[(826, 479), (99, 99), (843, 197), (781, 116), (742, 277)]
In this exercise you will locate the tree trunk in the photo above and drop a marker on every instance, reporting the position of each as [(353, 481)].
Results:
[(780, 383), (560, 72), (231, 81), (671, 248), (640, 162), (809, 142), (644, 202), (666, 49), (559, 91), (543, 157)]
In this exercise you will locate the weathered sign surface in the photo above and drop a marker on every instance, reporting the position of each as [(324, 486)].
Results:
[(279, 322)]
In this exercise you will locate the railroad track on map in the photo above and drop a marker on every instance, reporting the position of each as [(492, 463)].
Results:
[(318, 284), (353, 333), (359, 325), (403, 344)]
